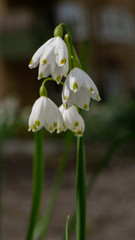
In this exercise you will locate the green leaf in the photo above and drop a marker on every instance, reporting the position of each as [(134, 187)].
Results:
[(80, 191), (38, 179), (43, 225)]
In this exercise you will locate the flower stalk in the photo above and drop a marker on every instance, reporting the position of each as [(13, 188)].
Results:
[(38, 179), (80, 191)]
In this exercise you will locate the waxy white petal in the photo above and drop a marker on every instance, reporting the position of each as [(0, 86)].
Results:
[(60, 51), (36, 57), (78, 89), (73, 120), (45, 113)]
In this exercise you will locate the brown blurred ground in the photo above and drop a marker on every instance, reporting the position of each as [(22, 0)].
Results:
[(110, 207)]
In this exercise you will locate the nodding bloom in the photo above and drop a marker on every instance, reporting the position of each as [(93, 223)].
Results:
[(45, 113), (78, 89), (52, 58), (72, 120)]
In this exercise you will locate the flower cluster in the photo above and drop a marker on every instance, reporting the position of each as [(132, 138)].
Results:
[(78, 88)]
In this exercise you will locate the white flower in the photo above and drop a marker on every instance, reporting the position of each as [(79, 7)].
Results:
[(73, 120), (45, 114), (52, 58), (78, 89)]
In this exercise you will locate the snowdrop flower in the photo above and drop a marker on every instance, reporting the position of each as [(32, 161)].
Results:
[(78, 89), (45, 114), (52, 58), (73, 120)]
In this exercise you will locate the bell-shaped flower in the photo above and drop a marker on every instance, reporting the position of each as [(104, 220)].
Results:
[(52, 58), (45, 113), (72, 120), (78, 89)]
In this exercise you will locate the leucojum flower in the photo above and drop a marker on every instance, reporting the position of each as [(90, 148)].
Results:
[(78, 89), (52, 58), (73, 120), (45, 114), (58, 58)]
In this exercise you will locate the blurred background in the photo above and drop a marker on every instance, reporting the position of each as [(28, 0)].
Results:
[(104, 36)]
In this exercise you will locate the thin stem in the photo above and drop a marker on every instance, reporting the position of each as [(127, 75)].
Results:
[(43, 225), (73, 55), (80, 191), (100, 167), (38, 178), (66, 229), (50, 79)]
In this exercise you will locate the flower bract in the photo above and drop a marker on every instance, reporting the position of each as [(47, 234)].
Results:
[(52, 58), (73, 120), (45, 113), (78, 89)]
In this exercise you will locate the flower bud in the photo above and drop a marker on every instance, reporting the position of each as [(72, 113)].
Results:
[(58, 31)]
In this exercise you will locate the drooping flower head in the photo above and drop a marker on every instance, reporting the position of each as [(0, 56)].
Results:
[(45, 113), (73, 120), (52, 58), (78, 89)]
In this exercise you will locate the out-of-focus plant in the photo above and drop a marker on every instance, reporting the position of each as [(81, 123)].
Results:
[(111, 120)]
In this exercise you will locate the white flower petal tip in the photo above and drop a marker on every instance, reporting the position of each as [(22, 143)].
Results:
[(72, 120), (98, 97), (78, 89), (52, 58), (45, 113)]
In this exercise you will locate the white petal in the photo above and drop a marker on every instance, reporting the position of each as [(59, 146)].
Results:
[(75, 79), (54, 119), (36, 57), (73, 120), (47, 55), (43, 71), (81, 98), (37, 116), (60, 51)]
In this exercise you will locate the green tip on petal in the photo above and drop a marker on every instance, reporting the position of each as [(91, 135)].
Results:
[(41, 75), (85, 106), (79, 133), (91, 90), (63, 61), (75, 86), (76, 124), (44, 61), (34, 127), (31, 61), (59, 129), (58, 78), (37, 123), (51, 129), (98, 97), (55, 124)]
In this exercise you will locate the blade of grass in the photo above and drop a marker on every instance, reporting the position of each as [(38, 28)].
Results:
[(38, 179), (43, 225), (66, 229), (80, 191)]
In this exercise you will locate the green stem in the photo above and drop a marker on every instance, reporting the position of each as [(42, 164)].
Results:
[(80, 191), (38, 178), (43, 225), (66, 229), (100, 167)]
